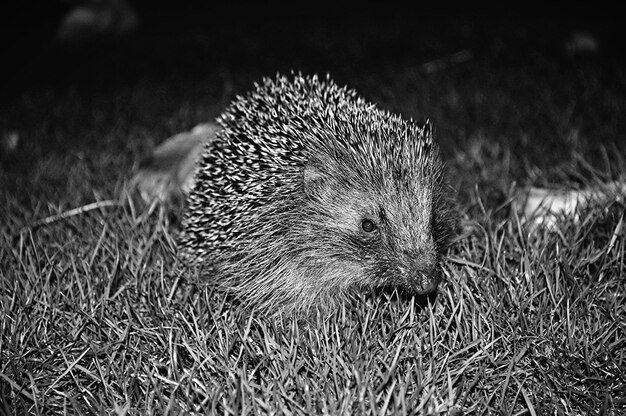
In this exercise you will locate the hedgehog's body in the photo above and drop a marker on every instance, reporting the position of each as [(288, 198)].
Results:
[(309, 192)]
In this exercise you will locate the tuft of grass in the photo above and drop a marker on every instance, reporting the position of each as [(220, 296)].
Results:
[(99, 315)]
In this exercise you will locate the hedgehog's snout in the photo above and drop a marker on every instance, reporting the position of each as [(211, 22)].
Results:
[(428, 282), (419, 273)]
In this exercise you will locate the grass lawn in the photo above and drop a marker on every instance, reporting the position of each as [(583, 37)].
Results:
[(98, 316)]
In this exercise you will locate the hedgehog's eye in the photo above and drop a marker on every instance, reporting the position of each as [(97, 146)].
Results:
[(368, 225)]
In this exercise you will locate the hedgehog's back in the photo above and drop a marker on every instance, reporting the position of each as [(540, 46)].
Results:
[(257, 158), (252, 174)]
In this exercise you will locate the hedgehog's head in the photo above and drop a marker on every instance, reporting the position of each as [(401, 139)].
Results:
[(376, 208)]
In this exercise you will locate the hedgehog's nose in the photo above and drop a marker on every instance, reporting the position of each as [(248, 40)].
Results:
[(429, 283), (424, 274)]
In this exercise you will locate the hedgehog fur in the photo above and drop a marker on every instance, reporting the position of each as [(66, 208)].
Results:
[(310, 193)]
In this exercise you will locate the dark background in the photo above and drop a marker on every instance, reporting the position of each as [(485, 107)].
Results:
[(188, 38)]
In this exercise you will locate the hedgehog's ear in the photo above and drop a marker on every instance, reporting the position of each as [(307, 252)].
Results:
[(313, 178)]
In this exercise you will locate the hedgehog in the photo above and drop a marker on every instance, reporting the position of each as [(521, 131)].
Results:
[(309, 194)]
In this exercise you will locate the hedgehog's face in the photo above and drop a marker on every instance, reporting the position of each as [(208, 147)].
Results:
[(382, 229), (396, 243)]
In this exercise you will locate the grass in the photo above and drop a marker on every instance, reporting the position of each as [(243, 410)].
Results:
[(98, 316)]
